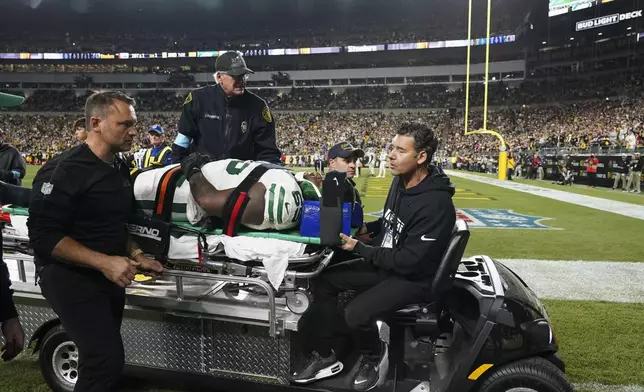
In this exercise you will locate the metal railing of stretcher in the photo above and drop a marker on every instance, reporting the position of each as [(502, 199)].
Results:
[(218, 280)]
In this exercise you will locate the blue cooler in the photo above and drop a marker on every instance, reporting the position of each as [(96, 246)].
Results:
[(310, 223)]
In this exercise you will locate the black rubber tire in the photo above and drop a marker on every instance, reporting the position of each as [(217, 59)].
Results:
[(52, 339), (536, 373)]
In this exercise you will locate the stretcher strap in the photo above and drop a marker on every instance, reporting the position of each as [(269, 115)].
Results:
[(165, 193), (238, 200)]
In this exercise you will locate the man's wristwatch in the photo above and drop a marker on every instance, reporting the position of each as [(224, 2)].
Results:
[(135, 253)]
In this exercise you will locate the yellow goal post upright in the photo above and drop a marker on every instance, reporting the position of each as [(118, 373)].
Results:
[(503, 153)]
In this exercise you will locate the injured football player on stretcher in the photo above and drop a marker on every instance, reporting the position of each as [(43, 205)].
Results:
[(257, 195)]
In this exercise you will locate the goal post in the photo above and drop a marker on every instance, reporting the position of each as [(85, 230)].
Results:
[(503, 153)]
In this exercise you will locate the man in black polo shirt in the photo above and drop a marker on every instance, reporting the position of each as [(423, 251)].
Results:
[(80, 203)]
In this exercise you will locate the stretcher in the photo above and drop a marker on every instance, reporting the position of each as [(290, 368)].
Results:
[(288, 262)]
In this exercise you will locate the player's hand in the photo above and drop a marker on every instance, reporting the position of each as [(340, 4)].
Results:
[(193, 164), (349, 243), (14, 337), (119, 270), (148, 266), (315, 178)]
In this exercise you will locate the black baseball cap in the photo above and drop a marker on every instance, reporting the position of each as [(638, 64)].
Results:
[(344, 150), (8, 100), (232, 63)]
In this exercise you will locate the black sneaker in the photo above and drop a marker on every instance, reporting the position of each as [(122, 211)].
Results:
[(372, 371), (316, 368)]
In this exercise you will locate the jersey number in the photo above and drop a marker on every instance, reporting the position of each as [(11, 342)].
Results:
[(297, 196), (235, 167)]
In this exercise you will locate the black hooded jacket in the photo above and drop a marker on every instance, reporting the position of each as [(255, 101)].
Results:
[(415, 229), (11, 161)]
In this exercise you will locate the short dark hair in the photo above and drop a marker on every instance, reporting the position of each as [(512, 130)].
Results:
[(80, 123), (424, 139), (101, 101)]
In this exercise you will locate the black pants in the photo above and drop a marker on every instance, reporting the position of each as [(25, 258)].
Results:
[(592, 179), (327, 326), (90, 308)]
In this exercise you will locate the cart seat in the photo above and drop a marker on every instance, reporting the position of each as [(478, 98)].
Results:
[(426, 315)]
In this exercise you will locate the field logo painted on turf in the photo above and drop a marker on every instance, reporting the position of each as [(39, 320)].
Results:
[(485, 218)]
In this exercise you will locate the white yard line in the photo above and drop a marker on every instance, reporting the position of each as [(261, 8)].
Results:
[(611, 281), (598, 203)]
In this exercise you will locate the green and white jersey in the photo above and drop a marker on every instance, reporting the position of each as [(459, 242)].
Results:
[(283, 198)]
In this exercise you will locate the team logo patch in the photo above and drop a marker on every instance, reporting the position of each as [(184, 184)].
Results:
[(244, 126), (188, 99), (266, 114), (483, 218), (47, 188)]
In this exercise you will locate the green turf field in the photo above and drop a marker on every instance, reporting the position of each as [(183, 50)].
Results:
[(600, 342)]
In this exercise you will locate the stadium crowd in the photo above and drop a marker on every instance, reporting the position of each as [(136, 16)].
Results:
[(297, 26), (584, 125), (410, 96)]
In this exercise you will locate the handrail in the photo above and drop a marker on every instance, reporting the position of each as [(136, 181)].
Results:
[(179, 276)]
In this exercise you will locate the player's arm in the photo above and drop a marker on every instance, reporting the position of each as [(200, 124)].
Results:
[(265, 139), (188, 130)]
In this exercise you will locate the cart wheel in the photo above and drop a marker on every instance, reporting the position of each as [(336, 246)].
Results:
[(59, 360), (528, 375), (298, 301)]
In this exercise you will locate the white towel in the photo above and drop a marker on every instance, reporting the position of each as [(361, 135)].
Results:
[(273, 253)]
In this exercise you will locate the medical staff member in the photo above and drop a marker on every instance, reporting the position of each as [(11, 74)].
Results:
[(226, 120), (159, 154), (397, 268), (80, 203), (343, 157)]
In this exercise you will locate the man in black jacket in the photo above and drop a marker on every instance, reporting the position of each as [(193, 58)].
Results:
[(397, 270), (12, 331), (226, 120)]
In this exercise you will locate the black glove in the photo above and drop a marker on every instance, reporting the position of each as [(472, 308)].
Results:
[(193, 163)]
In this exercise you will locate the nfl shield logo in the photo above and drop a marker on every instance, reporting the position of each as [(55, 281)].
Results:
[(47, 188), (244, 127)]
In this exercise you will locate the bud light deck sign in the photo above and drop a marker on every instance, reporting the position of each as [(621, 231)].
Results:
[(480, 218)]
